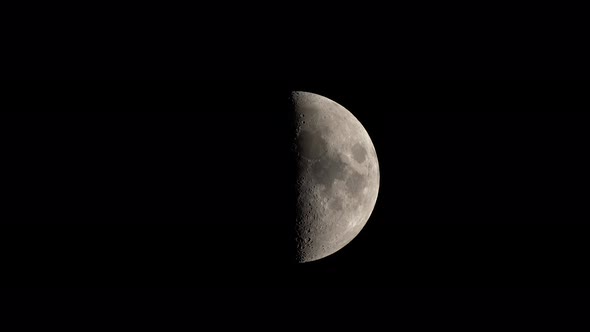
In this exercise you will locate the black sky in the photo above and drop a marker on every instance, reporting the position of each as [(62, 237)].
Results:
[(186, 184), (163, 203)]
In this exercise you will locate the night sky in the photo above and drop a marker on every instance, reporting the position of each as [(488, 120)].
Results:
[(187, 184), (147, 185)]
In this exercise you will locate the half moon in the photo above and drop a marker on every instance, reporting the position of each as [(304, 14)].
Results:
[(337, 176)]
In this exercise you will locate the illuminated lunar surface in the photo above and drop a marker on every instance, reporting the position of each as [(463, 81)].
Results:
[(337, 176)]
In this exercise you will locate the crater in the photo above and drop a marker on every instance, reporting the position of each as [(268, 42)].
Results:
[(307, 111)]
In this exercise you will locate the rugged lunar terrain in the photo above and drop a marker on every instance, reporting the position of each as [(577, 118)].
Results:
[(337, 176)]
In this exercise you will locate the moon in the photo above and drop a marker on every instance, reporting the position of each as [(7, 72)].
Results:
[(337, 180)]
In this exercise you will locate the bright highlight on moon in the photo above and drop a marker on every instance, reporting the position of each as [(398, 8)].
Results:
[(337, 176)]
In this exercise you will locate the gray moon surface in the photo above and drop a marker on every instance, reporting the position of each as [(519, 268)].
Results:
[(337, 176)]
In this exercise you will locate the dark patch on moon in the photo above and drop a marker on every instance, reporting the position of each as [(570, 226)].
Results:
[(359, 153), (327, 170), (355, 184), (311, 145), (336, 204)]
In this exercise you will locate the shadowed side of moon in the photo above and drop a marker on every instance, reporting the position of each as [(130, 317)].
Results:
[(337, 176)]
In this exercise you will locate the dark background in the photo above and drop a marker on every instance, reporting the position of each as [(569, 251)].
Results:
[(188, 184), (166, 205), (405, 40), (158, 203)]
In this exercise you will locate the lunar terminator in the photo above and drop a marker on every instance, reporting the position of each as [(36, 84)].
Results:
[(337, 176)]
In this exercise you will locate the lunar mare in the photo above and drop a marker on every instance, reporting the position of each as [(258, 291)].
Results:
[(337, 176)]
